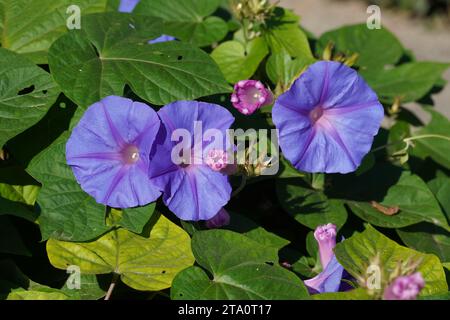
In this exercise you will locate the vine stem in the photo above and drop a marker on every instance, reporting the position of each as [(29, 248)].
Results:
[(423, 136), (112, 286)]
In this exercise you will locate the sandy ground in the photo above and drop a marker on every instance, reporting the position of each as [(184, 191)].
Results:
[(427, 43)]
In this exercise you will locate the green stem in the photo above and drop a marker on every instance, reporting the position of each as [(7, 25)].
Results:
[(112, 286), (423, 136), (245, 23)]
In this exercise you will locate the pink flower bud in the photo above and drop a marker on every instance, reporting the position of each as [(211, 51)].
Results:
[(222, 218), (405, 287), (250, 95), (326, 238)]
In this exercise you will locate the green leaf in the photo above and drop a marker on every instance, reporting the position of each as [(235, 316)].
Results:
[(17, 209), (23, 194), (376, 48), (111, 51), (356, 294), (359, 251), (29, 27), (443, 296), (310, 207), (67, 212), (240, 269), (284, 34), (427, 238), (37, 294), (397, 150), (440, 186), (148, 262), (282, 69), (238, 62), (287, 170), (250, 229), (135, 219), (408, 82), (436, 148), (18, 200), (187, 20), (89, 289), (26, 93), (411, 195)]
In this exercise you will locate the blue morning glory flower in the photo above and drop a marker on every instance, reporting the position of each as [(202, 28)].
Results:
[(109, 151), (193, 190), (327, 119), (127, 5), (163, 38)]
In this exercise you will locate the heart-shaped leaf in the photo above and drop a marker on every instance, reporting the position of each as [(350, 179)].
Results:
[(237, 61), (361, 250), (111, 51), (241, 269), (410, 201), (26, 94), (284, 34), (148, 262)]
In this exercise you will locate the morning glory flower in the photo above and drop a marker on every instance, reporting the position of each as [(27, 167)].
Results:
[(109, 151), (222, 218), (194, 189), (405, 287), (127, 5), (327, 119), (162, 38), (326, 238), (250, 95), (329, 280)]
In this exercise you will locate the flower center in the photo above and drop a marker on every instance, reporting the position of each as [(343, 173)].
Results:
[(254, 96), (316, 114), (216, 159), (130, 154)]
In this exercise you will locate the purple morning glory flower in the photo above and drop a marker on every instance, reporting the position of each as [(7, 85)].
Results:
[(191, 189), (109, 151), (250, 95), (163, 38), (222, 218), (327, 119), (405, 287), (326, 238), (330, 279), (127, 5)]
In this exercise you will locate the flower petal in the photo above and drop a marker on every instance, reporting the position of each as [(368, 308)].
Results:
[(329, 280), (127, 5)]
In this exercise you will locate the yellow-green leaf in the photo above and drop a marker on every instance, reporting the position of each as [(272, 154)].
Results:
[(148, 262)]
